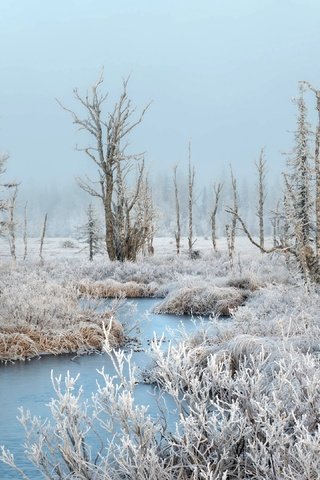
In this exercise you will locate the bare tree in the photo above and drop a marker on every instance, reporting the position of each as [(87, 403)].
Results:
[(145, 215), (43, 234), (124, 236), (298, 202), (13, 187), (191, 175), (261, 170), (177, 233), (148, 216), (275, 222), (217, 189), (25, 232), (7, 209), (235, 209), (3, 201)]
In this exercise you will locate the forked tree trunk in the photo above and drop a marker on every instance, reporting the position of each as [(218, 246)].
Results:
[(123, 237)]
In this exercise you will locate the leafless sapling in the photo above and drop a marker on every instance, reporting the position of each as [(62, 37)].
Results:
[(177, 232), (217, 189), (191, 175), (275, 223), (3, 201), (235, 209), (13, 188), (25, 231), (261, 171), (43, 234)]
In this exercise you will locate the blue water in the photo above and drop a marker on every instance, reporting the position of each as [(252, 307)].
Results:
[(28, 384)]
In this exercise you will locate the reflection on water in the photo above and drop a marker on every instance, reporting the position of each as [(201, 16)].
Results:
[(28, 383)]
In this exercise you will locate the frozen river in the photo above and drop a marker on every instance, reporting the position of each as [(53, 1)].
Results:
[(28, 383)]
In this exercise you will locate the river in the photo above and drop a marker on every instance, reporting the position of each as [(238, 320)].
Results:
[(28, 383)]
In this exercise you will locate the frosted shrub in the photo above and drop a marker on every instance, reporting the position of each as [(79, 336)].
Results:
[(113, 289), (281, 310), (244, 411), (41, 315), (202, 300)]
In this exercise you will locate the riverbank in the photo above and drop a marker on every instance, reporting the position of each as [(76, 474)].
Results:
[(245, 391), (40, 312)]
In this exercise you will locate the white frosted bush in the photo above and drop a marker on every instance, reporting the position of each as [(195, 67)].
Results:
[(244, 412), (201, 300)]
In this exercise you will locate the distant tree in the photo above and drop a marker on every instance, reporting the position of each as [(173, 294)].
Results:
[(146, 217), (191, 175), (25, 231), (299, 205), (13, 188), (217, 189), (3, 200), (261, 170), (7, 208), (90, 233), (177, 232), (298, 175), (43, 234), (306, 170), (231, 229), (118, 189)]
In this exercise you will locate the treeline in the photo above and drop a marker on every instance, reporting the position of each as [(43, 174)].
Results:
[(134, 208)]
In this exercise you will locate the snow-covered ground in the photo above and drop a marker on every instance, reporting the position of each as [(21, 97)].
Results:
[(67, 247), (248, 394)]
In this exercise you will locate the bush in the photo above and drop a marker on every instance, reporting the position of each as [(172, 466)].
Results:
[(247, 410)]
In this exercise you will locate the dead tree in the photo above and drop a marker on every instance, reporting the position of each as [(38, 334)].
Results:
[(148, 216), (261, 170), (275, 223), (144, 220), (177, 232), (118, 191), (25, 232), (191, 175), (235, 209), (7, 209), (43, 234), (298, 201), (3, 201), (217, 189), (13, 187)]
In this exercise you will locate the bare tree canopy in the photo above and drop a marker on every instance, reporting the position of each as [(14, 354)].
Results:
[(125, 231)]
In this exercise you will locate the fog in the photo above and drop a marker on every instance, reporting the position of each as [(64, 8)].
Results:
[(221, 74)]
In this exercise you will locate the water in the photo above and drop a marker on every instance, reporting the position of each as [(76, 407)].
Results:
[(28, 384)]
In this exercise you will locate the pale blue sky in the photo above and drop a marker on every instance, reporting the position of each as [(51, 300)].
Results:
[(221, 72)]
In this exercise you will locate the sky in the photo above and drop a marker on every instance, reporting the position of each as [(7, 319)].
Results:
[(219, 73)]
